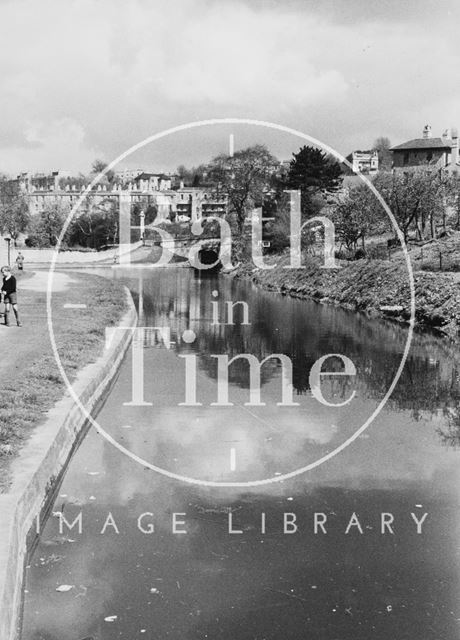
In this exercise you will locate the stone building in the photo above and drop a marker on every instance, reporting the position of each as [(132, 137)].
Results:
[(436, 153), (152, 182), (197, 202), (364, 161)]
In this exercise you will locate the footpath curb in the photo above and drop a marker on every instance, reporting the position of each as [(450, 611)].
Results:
[(39, 464)]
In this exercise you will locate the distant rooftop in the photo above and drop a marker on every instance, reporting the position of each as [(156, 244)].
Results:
[(424, 143)]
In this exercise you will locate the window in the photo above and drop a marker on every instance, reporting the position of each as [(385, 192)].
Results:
[(406, 157)]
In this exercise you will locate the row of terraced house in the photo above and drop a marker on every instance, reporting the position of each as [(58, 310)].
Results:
[(166, 192)]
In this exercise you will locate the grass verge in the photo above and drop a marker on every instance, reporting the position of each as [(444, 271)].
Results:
[(30, 381), (377, 287)]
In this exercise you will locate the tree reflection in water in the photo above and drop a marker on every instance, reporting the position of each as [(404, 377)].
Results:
[(304, 330)]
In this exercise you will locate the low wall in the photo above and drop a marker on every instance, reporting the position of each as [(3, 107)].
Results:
[(44, 256), (38, 466)]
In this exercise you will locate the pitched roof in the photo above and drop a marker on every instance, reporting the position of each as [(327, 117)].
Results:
[(424, 143), (146, 176)]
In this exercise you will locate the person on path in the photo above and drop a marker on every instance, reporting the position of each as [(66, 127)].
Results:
[(20, 261), (9, 295)]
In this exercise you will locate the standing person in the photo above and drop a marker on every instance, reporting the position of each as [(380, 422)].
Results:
[(20, 261), (9, 295)]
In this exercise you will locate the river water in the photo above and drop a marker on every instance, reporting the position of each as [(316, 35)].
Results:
[(130, 574)]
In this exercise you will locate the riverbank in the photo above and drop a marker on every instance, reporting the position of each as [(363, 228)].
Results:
[(40, 421), (375, 287), (30, 381)]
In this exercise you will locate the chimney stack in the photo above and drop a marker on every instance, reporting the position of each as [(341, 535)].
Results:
[(427, 131)]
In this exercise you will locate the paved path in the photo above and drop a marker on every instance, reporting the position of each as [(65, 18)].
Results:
[(20, 346), (39, 282)]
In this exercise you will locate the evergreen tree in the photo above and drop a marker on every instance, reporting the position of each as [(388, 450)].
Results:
[(315, 174), (312, 169)]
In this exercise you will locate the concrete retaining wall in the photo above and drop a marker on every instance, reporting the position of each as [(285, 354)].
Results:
[(44, 256), (39, 464)]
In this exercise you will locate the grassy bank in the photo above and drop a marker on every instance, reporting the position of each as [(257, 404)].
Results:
[(29, 378), (377, 287)]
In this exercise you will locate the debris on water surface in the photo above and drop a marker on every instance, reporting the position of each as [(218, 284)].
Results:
[(93, 473), (92, 497), (154, 590), (64, 587), (53, 558), (389, 608), (110, 618), (56, 540)]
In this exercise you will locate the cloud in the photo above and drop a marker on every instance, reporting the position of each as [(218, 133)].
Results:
[(233, 55), (62, 139), (111, 73)]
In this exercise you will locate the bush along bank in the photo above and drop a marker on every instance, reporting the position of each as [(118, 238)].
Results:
[(376, 287)]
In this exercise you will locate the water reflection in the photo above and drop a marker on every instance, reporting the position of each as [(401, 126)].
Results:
[(430, 382), (209, 583)]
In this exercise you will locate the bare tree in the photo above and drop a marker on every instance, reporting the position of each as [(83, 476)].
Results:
[(416, 199), (383, 145)]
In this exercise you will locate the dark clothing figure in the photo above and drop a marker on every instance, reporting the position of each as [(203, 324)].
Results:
[(10, 297), (9, 285)]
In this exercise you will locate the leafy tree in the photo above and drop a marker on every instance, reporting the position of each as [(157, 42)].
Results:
[(52, 220), (100, 165), (14, 210), (78, 182), (453, 198), (45, 227), (277, 231), (246, 178), (193, 177), (150, 210), (383, 145), (96, 226), (355, 218)]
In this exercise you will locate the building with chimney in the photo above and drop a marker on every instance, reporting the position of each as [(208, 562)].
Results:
[(428, 152)]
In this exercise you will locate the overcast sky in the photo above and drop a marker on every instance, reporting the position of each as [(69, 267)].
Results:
[(82, 79)]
